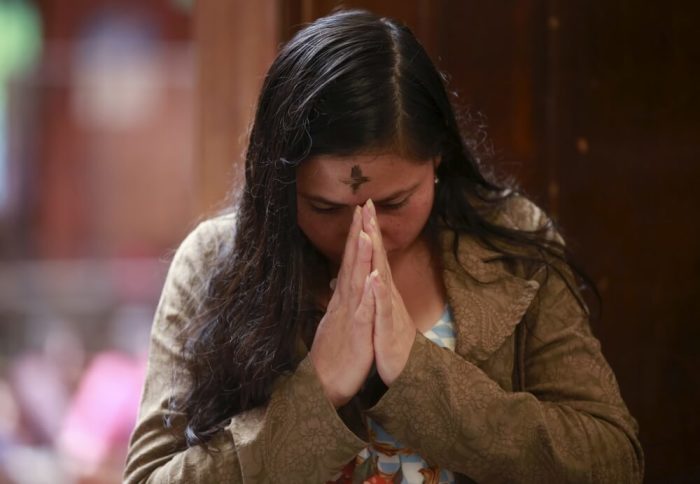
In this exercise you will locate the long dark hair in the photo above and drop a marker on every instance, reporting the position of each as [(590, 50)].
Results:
[(348, 83)]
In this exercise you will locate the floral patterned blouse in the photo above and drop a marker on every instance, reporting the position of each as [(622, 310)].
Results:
[(386, 460)]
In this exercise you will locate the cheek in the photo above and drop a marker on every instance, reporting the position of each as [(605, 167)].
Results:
[(398, 234), (326, 233), (402, 229)]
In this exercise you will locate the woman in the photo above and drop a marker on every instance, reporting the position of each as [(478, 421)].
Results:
[(376, 310)]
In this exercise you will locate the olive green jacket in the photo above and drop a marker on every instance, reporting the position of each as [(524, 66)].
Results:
[(526, 396)]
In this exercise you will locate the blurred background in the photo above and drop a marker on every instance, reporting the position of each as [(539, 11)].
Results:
[(121, 122)]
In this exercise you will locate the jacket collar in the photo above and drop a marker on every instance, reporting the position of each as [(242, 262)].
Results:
[(486, 300)]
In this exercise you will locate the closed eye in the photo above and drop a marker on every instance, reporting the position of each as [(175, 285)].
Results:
[(392, 206), (330, 209), (380, 206)]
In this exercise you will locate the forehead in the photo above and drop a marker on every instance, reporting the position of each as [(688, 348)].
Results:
[(356, 178)]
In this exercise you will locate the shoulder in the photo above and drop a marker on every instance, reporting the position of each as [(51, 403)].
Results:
[(518, 212), (208, 238), (196, 256), (514, 212)]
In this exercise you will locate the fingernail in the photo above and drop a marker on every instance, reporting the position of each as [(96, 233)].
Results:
[(366, 210), (370, 203)]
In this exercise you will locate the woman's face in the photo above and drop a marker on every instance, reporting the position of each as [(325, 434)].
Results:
[(328, 188)]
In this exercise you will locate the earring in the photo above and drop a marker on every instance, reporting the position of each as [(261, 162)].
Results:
[(437, 180)]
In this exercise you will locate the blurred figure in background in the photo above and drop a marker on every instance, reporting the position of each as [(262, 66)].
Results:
[(85, 118)]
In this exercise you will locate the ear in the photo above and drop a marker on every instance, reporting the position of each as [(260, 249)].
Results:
[(436, 161)]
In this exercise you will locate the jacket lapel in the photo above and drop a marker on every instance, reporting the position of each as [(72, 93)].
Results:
[(487, 301)]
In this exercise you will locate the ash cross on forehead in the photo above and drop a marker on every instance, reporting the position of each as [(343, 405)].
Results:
[(356, 178)]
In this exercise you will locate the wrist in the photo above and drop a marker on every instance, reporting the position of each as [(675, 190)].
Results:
[(332, 396)]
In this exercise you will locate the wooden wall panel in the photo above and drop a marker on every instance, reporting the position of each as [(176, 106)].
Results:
[(495, 54), (628, 164), (236, 42)]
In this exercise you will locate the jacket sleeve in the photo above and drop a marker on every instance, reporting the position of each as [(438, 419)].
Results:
[(297, 437), (569, 424)]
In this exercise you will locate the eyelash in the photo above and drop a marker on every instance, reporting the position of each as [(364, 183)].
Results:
[(393, 206), (325, 210), (385, 206)]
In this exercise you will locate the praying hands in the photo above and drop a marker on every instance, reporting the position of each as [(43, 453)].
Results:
[(366, 320)]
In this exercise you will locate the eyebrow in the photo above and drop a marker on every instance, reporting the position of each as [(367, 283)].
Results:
[(393, 196)]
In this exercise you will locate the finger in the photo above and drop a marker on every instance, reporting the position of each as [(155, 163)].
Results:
[(360, 269), (364, 315), (371, 225), (383, 307), (349, 253)]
